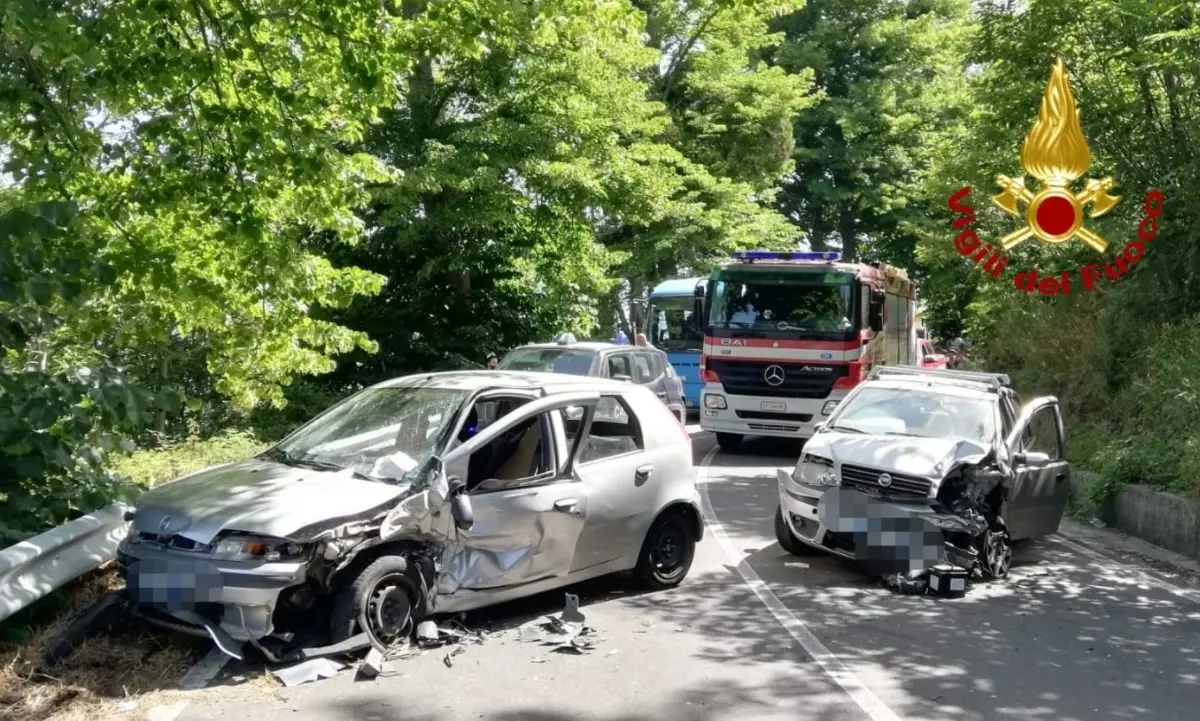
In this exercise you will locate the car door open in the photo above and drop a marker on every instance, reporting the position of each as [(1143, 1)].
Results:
[(527, 504), (1039, 495)]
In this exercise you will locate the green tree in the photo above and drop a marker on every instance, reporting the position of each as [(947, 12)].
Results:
[(727, 145), (886, 73), (173, 161)]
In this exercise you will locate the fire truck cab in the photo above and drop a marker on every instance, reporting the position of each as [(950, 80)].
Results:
[(787, 335)]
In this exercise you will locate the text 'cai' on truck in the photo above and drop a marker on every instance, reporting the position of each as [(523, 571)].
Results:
[(787, 335)]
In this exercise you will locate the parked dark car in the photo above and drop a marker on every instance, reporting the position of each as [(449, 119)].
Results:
[(646, 366)]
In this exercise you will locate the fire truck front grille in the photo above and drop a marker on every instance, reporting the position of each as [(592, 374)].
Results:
[(800, 380)]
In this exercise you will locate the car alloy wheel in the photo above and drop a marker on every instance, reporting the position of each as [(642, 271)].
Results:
[(996, 557)]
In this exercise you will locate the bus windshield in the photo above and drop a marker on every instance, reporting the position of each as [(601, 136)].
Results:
[(757, 300), (672, 327)]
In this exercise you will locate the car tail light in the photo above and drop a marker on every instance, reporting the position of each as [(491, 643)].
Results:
[(856, 374), (706, 375)]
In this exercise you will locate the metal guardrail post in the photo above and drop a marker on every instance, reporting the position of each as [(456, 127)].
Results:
[(33, 568)]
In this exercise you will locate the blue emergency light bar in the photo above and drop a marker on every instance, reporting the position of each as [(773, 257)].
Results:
[(752, 255)]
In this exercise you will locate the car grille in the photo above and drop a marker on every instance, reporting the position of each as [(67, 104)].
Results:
[(173, 543), (746, 379), (866, 480), (768, 416)]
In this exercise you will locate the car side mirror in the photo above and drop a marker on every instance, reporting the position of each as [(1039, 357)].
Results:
[(1033, 459), (623, 377), (460, 505), (818, 426)]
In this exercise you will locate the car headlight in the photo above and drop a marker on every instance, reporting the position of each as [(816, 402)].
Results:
[(714, 401), (828, 407), (245, 547), (815, 471)]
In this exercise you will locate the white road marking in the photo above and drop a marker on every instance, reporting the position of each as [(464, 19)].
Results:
[(1138, 574), (858, 692)]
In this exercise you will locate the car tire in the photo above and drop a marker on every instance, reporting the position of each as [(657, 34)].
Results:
[(995, 550), (787, 540), (729, 442), (386, 590), (667, 552)]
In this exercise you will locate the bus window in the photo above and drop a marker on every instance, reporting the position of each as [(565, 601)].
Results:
[(675, 330)]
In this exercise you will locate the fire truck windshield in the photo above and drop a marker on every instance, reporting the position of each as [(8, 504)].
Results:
[(782, 301)]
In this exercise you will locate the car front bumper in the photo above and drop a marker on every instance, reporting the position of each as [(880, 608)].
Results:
[(230, 601), (908, 534)]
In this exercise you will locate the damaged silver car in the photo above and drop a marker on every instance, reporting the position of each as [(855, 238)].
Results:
[(429, 494), (927, 477)]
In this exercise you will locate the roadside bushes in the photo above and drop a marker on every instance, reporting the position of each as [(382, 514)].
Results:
[(1130, 391)]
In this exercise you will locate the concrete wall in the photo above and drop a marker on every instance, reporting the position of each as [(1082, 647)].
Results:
[(1164, 519)]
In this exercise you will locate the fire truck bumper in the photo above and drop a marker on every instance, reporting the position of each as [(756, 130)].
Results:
[(763, 416)]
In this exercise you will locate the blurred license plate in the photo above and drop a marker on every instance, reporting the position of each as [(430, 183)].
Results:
[(774, 406)]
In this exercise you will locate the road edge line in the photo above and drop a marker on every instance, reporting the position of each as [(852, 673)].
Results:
[(1144, 577), (863, 696)]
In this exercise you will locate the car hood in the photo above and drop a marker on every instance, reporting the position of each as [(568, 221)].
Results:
[(925, 457), (259, 497)]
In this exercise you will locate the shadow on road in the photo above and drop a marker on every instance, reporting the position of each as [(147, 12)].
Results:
[(1066, 637)]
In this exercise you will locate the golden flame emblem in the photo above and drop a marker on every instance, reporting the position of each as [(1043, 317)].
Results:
[(1056, 154)]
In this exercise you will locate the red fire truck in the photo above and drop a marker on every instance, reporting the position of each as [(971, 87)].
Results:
[(787, 335)]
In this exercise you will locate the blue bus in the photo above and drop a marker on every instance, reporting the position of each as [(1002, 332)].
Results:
[(670, 327)]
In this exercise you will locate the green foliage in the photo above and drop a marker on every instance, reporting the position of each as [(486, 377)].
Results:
[(1124, 352), (172, 160), (151, 467), (887, 74)]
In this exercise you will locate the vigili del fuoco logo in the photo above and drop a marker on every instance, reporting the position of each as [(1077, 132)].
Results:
[(1056, 154)]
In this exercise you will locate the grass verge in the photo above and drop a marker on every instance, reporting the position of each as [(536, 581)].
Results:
[(101, 674), (159, 465)]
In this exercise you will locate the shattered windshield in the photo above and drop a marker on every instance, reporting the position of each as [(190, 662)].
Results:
[(926, 414), (383, 434), (548, 360)]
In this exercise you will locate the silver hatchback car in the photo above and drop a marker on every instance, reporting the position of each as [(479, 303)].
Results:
[(428, 494)]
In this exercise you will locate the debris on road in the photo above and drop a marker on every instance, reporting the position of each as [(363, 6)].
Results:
[(374, 664), (448, 660), (567, 632), (308, 671)]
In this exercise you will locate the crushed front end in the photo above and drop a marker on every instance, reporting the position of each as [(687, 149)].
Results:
[(916, 532)]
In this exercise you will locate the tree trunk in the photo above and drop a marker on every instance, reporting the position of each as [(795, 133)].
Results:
[(849, 235)]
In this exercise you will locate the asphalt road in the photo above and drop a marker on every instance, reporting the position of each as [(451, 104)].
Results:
[(757, 634)]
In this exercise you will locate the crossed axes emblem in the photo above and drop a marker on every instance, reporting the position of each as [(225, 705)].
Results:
[(1061, 201)]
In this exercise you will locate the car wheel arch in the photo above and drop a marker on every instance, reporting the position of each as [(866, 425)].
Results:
[(415, 552), (695, 519)]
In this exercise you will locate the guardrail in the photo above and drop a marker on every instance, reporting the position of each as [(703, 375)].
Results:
[(33, 568)]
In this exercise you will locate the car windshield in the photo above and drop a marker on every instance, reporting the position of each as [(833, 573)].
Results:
[(548, 360), (672, 327), (779, 301), (907, 412), (383, 434)]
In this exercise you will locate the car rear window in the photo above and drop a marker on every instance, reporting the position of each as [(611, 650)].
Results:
[(548, 360)]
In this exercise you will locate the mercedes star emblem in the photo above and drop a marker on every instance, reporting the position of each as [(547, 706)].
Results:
[(773, 375), (164, 524), (885, 480)]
